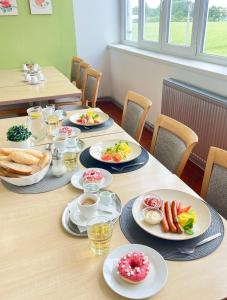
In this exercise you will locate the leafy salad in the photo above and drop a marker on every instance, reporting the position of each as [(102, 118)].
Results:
[(117, 153)]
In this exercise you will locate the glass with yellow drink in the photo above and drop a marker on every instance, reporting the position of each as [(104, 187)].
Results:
[(100, 231)]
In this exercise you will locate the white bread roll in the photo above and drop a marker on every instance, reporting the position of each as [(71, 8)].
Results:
[(23, 158), (44, 161), (16, 168)]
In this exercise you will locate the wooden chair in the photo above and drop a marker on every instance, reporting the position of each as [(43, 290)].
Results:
[(172, 143), (81, 74), (75, 68), (136, 108), (60, 103), (214, 186), (90, 87)]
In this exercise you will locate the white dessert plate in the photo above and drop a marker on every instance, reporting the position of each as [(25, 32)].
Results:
[(77, 178), (97, 150), (57, 132), (103, 118), (202, 211), (151, 285), (77, 218)]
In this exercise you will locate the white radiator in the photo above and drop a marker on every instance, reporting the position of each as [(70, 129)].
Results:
[(202, 111)]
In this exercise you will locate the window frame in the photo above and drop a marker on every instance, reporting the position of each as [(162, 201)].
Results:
[(195, 51)]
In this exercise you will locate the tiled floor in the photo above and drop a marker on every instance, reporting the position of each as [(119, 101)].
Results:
[(192, 174)]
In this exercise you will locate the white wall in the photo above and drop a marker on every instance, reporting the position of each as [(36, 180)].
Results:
[(97, 25), (145, 76)]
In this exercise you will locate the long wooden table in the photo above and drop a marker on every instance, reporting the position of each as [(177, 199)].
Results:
[(39, 260), (14, 90)]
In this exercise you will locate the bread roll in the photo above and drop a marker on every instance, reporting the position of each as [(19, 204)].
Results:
[(6, 151), (44, 161), (23, 158), (16, 168), (36, 153), (4, 157)]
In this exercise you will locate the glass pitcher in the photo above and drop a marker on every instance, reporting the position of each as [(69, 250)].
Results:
[(36, 123)]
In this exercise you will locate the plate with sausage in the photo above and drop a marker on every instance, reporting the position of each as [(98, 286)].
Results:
[(171, 214)]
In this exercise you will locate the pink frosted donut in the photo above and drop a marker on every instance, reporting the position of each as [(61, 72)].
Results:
[(93, 175), (133, 267)]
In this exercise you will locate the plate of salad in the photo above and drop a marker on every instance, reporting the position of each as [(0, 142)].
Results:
[(171, 214), (89, 118), (115, 151)]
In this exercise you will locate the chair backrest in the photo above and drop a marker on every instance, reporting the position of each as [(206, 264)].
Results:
[(214, 186), (136, 108), (81, 74), (75, 68), (172, 143), (90, 86)]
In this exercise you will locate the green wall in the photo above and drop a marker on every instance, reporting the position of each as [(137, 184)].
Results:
[(45, 39)]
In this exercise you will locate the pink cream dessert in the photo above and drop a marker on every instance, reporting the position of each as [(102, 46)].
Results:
[(93, 175), (133, 267)]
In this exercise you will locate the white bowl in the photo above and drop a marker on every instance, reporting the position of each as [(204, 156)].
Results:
[(28, 180)]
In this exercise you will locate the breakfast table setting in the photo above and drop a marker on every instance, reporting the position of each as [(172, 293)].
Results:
[(87, 213)]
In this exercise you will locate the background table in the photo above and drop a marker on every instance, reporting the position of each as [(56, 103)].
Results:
[(39, 260), (14, 90)]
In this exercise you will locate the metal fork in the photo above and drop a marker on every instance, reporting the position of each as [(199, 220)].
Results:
[(128, 166), (190, 250)]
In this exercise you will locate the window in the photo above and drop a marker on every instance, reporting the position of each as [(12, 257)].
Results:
[(132, 28), (190, 28), (216, 28), (181, 20), (151, 20)]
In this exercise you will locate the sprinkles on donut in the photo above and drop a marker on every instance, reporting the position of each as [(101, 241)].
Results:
[(133, 267), (93, 175)]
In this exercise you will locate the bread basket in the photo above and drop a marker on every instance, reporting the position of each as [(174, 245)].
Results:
[(28, 180), (23, 180)]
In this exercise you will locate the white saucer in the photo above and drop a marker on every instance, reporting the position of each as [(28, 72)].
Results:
[(154, 282), (77, 178), (78, 219)]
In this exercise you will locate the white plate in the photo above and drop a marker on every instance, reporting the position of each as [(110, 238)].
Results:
[(77, 178), (202, 212), (103, 118), (97, 150), (56, 132), (153, 283), (78, 219)]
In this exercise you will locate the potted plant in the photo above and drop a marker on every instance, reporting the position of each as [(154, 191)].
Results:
[(18, 136)]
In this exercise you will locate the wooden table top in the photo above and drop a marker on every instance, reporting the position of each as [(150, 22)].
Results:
[(13, 88), (39, 260)]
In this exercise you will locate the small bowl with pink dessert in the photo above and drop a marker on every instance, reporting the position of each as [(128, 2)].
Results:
[(98, 175)]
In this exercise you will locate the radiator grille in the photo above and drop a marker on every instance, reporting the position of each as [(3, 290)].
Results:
[(203, 111)]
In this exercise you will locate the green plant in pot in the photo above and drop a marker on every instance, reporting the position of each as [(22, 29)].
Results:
[(18, 135)]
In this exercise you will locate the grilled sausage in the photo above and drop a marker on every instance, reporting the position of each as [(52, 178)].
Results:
[(165, 226), (174, 215), (169, 217)]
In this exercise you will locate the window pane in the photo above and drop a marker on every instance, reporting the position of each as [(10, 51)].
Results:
[(181, 20), (216, 28), (132, 20), (151, 20)]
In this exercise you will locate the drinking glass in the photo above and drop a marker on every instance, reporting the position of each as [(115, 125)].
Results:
[(53, 123), (70, 154), (91, 186), (100, 231)]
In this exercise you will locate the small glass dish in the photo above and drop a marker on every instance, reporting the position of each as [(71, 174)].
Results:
[(152, 216), (152, 201)]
